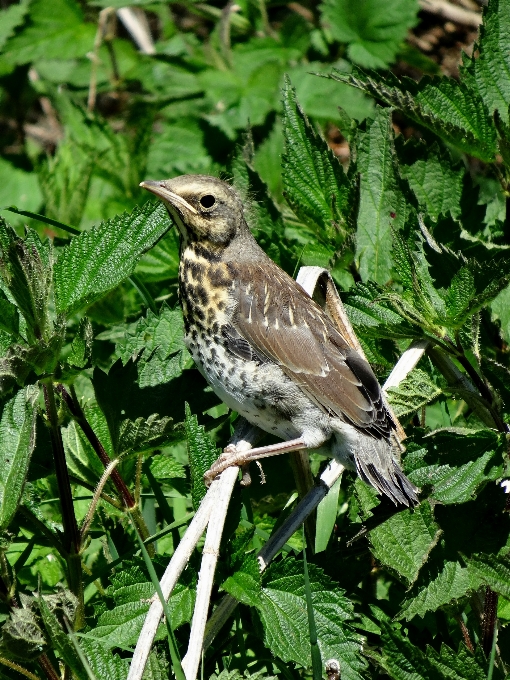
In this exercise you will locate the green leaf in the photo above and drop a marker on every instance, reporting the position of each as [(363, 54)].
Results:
[(202, 454), (489, 71), (22, 636), (372, 31), (10, 18), (436, 181), (245, 583), (315, 184), (440, 582), (9, 317), (19, 361), (382, 206), (61, 641), (454, 112), (99, 259), (404, 660), (17, 441), (144, 434), (166, 467), (131, 593), (282, 609), (81, 458), (103, 663), (415, 391), (81, 346), (327, 511), (18, 187), (403, 543), (59, 34), (494, 570), (456, 463), (162, 261), (26, 268)]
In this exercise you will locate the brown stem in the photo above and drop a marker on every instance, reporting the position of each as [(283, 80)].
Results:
[(490, 610), (72, 538), (47, 667), (465, 633), (76, 411)]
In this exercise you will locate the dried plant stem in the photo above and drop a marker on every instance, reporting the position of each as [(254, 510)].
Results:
[(210, 556), (95, 500), (451, 12), (173, 571)]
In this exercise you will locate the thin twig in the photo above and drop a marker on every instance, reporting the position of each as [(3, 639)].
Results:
[(451, 12), (210, 556), (95, 500)]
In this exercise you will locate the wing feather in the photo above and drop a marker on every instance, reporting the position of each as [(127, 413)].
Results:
[(278, 318)]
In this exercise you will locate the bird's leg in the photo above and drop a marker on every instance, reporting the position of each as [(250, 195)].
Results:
[(233, 456)]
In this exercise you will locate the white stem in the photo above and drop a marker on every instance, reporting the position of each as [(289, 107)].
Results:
[(452, 12), (210, 556), (406, 363), (95, 499), (173, 571), (135, 21)]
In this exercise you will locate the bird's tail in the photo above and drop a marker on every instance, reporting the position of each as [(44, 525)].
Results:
[(377, 466)]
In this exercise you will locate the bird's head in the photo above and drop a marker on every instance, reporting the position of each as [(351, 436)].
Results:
[(205, 209)]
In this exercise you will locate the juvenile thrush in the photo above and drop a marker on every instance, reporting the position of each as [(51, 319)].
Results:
[(266, 348)]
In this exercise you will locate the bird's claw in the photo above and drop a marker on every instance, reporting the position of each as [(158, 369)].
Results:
[(223, 462)]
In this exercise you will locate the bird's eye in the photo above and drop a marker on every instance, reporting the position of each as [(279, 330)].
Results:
[(207, 201)]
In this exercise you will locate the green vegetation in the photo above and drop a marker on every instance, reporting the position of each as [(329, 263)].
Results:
[(415, 229)]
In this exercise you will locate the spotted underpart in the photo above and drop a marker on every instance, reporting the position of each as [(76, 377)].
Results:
[(265, 347)]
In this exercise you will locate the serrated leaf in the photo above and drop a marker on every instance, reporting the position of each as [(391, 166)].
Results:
[(144, 434), (17, 441), (453, 111), (373, 32), (489, 71), (494, 570), (403, 542), (9, 317), (434, 178), (162, 261), (26, 269), (382, 206), (245, 583), (103, 663), (415, 391), (165, 467), (99, 259), (81, 346), (404, 660), (282, 609), (440, 582), (456, 463), (10, 18), (132, 593), (81, 458), (62, 641), (59, 34), (315, 184), (202, 454), (19, 360)]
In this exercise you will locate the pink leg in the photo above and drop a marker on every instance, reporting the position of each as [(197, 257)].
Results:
[(231, 456)]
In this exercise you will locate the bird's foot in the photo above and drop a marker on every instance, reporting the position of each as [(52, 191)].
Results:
[(232, 456)]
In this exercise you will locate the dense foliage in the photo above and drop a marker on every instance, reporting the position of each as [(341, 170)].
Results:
[(415, 228)]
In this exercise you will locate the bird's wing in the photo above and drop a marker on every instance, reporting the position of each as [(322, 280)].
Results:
[(280, 321)]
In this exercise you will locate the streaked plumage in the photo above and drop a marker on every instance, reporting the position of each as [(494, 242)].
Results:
[(266, 348)]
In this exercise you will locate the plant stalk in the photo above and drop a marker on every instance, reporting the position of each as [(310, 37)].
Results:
[(72, 539)]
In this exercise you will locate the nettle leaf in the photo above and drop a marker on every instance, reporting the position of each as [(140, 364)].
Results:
[(282, 609), (26, 268), (158, 341), (81, 346), (18, 362), (59, 34), (166, 467), (245, 583), (22, 636), (315, 184), (433, 176), (81, 458), (62, 641), (455, 462), (489, 71), (202, 453), (403, 660), (99, 259), (403, 543), (371, 315), (10, 18), (132, 593), (382, 205), (494, 570), (415, 391), (143, 435), (162, 261), (440, 581), (453, 111), (103, 663), (374, 32), (17, 441), (9, 317)]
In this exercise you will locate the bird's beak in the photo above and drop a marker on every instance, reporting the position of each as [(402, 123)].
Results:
[(159, 189)]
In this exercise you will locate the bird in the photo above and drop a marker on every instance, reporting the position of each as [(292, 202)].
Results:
[(266, 348)]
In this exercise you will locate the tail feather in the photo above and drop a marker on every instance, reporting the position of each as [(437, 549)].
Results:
[(377, 466)]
